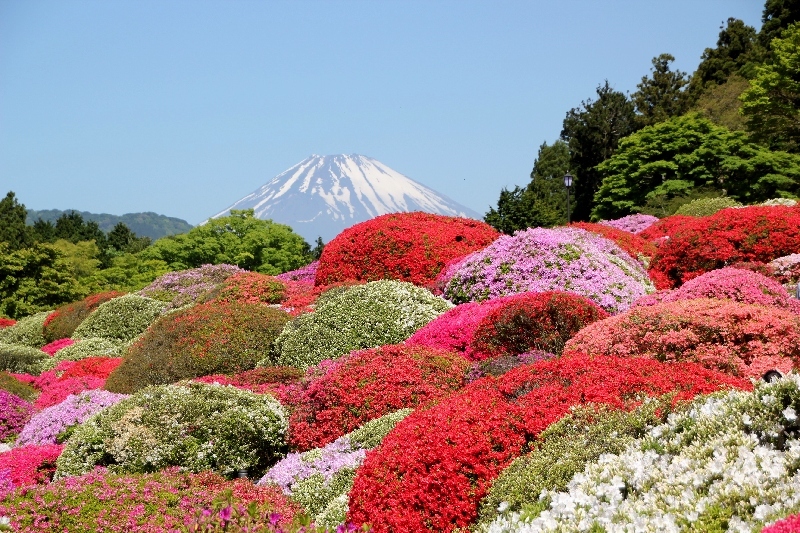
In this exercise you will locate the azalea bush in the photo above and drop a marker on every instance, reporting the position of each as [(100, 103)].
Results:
[(368, 384), (306, 274), (741, 339), (559, 259), (26, 332), (665, 228), (52, 347), (249, 288), (703, 207), (790, 524), (361, 316), (19, 388), (26, 466), (61, 323), (267, 379), (194, 426), (635, 223), (86, 348), (637, 247), (728, 464), (204, 339), (22, 359), (6, 322), (432, 470), (786, 269), (729, 236), (121, 319), (184, 287), (14, 413), (73, 377), (410, 247), (497, 366)]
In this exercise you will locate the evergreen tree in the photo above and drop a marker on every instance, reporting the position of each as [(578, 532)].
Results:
[(776, 17), (12, 223), (661, 96)]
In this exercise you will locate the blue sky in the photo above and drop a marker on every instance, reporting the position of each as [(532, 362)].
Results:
[(183, 107)]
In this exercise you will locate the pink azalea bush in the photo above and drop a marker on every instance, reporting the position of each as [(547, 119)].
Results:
[(55, 346), (27, 466), (307, 273), (632, 223), (790, 524), (14, 413)]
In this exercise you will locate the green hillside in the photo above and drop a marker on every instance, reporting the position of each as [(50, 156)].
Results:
[(147, 224)]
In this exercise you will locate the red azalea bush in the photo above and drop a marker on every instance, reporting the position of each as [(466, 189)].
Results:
[(61, 323), (635, 246), (790, 524), (30, 465), (250, 288), (665, 227), (409, 247), (729, 336), (301, 296), (533, 321), (729, 236), (368, 384), (6, 322), (432, 470), (57, 390), (53, 347), (96, 367), (145, 503), (266, 379)]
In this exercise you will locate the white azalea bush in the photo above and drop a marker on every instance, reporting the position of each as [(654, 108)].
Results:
[(27, 332), (194, 426), (729, 463), (362, 316), (121, 319)]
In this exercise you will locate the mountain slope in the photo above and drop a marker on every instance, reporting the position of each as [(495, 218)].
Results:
[(322, 195), (147, 224)]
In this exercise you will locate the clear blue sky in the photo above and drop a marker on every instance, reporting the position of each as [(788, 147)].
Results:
[(183, 107)]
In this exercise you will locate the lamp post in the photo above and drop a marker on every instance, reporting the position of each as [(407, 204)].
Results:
[(568, 185)]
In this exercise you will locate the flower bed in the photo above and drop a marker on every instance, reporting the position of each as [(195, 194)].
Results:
[(665, 228), (61, 323), (52, 347), (14, 385)]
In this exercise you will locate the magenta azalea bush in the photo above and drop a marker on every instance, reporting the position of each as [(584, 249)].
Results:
[(46, 426), (188, 286), (307, 273), (558, 259), (631, 223), (14, 413)]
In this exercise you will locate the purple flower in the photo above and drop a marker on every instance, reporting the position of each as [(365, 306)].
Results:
[(306, 273), (188, 286), (226, 513), (631, 223), (14, 413)]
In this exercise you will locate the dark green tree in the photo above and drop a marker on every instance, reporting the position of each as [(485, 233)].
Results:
[(43, 231), (72, 227), (122, 240), (662, 95), (592, 133), (776, 17), (316, 252), (12, 223)]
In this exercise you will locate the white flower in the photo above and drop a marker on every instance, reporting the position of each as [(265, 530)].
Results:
[(746, 420), (502, 507), (790, 414), (4, 521)]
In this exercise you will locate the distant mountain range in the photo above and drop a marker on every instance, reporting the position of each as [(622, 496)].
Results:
[(322, 195), (142, 224)]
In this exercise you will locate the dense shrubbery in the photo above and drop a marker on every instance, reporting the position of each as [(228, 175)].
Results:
[(409, 247), (14, 414), (368, 384), (121, 319), (748, 234), (52, 347), (26, 466), (560, 259), (61, 323), (432, 470), (177, 289), (249, 288), (22, 359), (306, 274), (26, 332), (205, 339), (194, 426), (703, 207), (665, 227), (740, 339), (631, 223), (19, 388), (362, 316), (73, 377), (790, 524), (86, 348), (638, 248), (497, 366), (266, 379)]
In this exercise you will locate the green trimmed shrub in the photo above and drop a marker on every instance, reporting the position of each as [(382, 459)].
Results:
[(22, 359), (27, 331), (84, 348), (120, 319), (703, 207), (194, 426), (14, 386), (201, 340), (61, 323), (362, 316)]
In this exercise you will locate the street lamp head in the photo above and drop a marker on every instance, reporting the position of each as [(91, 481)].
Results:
[(567, 180)]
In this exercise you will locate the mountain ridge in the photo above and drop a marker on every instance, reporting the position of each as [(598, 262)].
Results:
[(144, 224)]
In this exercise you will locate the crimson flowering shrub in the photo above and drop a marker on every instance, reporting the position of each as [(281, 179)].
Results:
[(368, 384), (266, 379), (73, 377), (52, 347), (96, 367), (14, 413), (29, 465), (533, 321), (410, 247), (56, 390), (6, 322), (249, 288), (637, 247), (665, 227), (740, 339), (209, 338), (729, 236), (61, 323), (790, 524), (432, 470), (145, 503), (635, 223)]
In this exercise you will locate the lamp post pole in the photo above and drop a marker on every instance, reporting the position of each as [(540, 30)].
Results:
[(568, 185)]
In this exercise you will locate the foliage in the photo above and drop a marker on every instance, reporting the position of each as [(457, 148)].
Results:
[(362, 316), (411, 247), (22, 359), (189, 286), (663, 95), (194, 426), (635, 223), (770, 104), (776, 17), (637, 247), (368, 384), (686, 154), (12, 223), (720, 103), (16, 387), (432, 470), (14, 413), (592, 133), (26, 332), (239, 239), (62, 322), (740, 339), (540, 260), (120, 319), (703, 207), (751, 234), (204, 339)]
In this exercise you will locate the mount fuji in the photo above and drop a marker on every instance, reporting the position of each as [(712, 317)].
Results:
[(322, 195)]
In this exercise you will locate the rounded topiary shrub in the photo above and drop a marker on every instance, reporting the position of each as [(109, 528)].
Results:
[(249, 288), (204, 339), (635, 223), (177, 289), (434, 467), (741, 339), (11, 384), (703, 207), (61, 323), (559, 259), (362, 316), (120, 319), (23, 359), (368, 384), (195, 426), (409, 247), (26, 332), (638, 248)]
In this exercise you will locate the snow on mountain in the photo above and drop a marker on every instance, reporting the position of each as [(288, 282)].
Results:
[(322, 195)]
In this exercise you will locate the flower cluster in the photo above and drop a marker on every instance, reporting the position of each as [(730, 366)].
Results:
[(790, 524), (637, 247), (729, 463), (635, 223), (6, 322), (250, 288), (368, 384), (28, 465), (121, 319), (263, 380), (49, 425), (189, 286), (432, 470), (14, 413), (737, 338), (204, 339), (194, 426), (410, 247), (61, 323), (664, 228), (53, 347), (786, 269), (559, 259), (56, 389), (307, 273), (361, 316)]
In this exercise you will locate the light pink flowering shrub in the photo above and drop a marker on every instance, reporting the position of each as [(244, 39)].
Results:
[(631, 223)]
